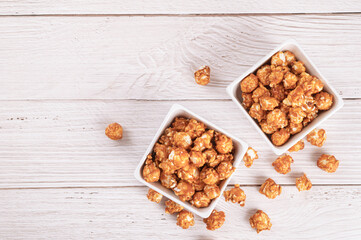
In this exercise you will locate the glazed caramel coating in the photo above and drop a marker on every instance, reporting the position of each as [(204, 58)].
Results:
[(204, 141), (297, 147), (328, 163), (279, 59), (268, 103), (280, 137), (267, 128), (167, 137), (298, 67), (199, 185), (295, 128), (260, 221), (317, 137), (200, 200), (309, 105), (172, 207), (260, 92), (224, 144), (212, 191), (179, 124), (114, 131), (283, 164), (263, 74), (220, 158), (249, 157), (324, 100), (179, 157), (312, 86), (295, 98), (210, 155), (154, 196), (249, 83), (189, 173), (247, 100), (161, 152), (168, 180), (225, 170), (184, 190), (235, 195), (303, 183), (203, 75), (209, 176), (182, 140), (276, 76), (278, 92), (151, 172), (296, 115), (257, 112), (277, 118), (185, 219), (290, 81), (215, 220), (197, 158), (270, 189), (195, 129)]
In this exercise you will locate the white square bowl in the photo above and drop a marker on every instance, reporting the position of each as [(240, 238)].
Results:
[(240, 148), (234, 91)]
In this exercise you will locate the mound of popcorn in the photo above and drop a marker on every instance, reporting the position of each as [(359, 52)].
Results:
[(283, 97)]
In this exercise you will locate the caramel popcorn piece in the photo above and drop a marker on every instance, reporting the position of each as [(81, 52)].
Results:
[(324, 100), (220, 158), (179, 157), (260, 92), (284, 108), (195, 129), (278, 92), (212, 191), (257, 112), (270, 189), (328, 163), (189, 173), (290, 81), (295, 98), (247, 100), (211, 155), (263, 74), (276, 76), (304, 77), (260, 221), (184, 190), (204, 141), (279, 59), (182, 140), (168, 180), (235, 195), (312, 86), (309, 118), (280, 137), (200, 200), (290, 57), (268, 103), (303, 183), (317, 137), (202, 76), (151, 172), (198, 158), (180, 124), (172, 207), (199, 185), (154, 196), (167, 137), (249, 83), (209, 176), (283, 164), (277, 118), (309, 105), (161, 152), (215, 220), (224, 144), (297, 147), (298, 67), (185, 219), (249, 157), (295, 128), (114, 131), (267, 128), (225, 170), (296, 115)]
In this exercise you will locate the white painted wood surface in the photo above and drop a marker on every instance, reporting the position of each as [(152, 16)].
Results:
[(69, 68)]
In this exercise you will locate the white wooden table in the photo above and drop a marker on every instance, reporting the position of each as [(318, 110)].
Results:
[(69, 68)]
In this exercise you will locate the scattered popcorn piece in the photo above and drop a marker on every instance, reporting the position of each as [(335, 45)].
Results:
[(209, 176), (323, 100), (204, 141), (247, 100), (168, 180), (182, 139), (290, 81), (151, 172), (189, 173), (202, 76), (277, 118), (114, 131), (225, 170), (185, 219), (212, 191), (317, 137), (267, 128), (260, 221), (184, 190), (263, 74), (249, 157), (257, 112), (172, 207), (270, 189), (297, 147), (224, 144), (303, 183), (200, 200), (298, 67), (235, 195), (328, 163), (215, 220), (279, 59), (154, 196), (280, 137), (249, 83), (198, 158), (268, 103), (283, 164), (195, 129), (261, 91)]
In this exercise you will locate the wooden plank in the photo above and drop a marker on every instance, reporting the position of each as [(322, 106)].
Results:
[(116, 213), (38, 7), (62, 143), (155, 58)]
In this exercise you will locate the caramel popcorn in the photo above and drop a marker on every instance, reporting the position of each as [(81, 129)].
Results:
[(151, 172), (182, 140), (298, 67), (295, 128), (296, 114), (277, 118), (270, 189), (180, 124), (276, 76), (260, 221), (199, 185), (202, 76), (184, 190), (247, 100), (304, 77), (283, 164), (263, 74), (154, 196), (225, 170), (297, 147), (303, 183), (203, 141), (215, 220), (167, 137), (278, 92), (290, 81), (224, 144), (189, 173), (317, 137), (267, 128), (211, 155), (235, 195), (249, 157), (161, 152), (212, 191), (195, 129), (284, 108), (261, 91), (200, 200), (168, 180), (168, 166), (279, 59), (268, 103), (328, 163), (185, 219), (295, 98), (290, 57), (114, 131), (209, 176), (309, 118), (280, 137), (312, 86), (257, 112), (198, 158), (172, 207), (324, 100), (179, 157), (249, 83), (220, 158)]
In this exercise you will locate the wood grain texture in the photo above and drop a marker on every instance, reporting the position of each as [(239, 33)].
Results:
[(155, 58), (125, 213), (62, 143), (38, 7)]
